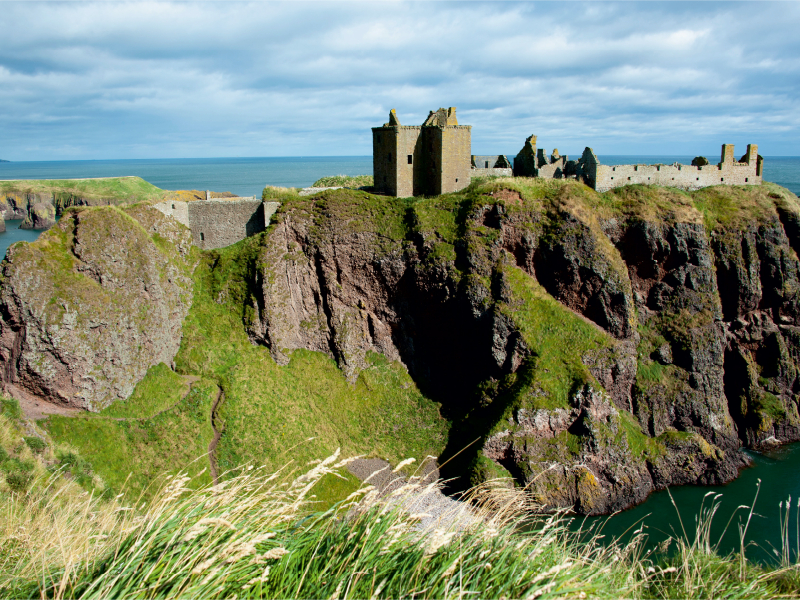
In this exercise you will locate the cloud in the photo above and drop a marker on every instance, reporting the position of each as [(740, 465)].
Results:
[(130, 80)]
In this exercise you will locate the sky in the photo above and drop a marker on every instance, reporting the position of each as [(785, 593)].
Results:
[(116, 80)]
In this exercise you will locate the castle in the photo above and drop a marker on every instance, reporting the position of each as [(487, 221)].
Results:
[(435, 158)]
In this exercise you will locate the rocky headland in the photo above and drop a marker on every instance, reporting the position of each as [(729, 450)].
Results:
[(38, 202), (95, 302), (593, 347)]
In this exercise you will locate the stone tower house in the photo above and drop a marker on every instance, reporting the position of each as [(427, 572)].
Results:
[(427, 160)]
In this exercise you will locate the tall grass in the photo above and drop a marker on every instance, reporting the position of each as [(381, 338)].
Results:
[(258, 534)]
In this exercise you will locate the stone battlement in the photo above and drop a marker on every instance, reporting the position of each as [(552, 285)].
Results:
[(531, 162), (434, 158)]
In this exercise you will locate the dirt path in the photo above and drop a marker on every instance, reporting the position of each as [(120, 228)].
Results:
[(35, 408), (212, 446)]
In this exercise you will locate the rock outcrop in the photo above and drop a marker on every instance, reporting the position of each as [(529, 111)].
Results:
[(598, 348), (93, 303), (40, 216), (592, 347)]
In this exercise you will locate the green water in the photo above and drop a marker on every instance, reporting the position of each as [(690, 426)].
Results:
[(779, 474)]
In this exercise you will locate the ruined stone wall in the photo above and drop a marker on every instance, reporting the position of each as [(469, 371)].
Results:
[(455, 144), (384, 172), (177, 210), (496, 165), (688, 177), (217, 223), (492, 172)]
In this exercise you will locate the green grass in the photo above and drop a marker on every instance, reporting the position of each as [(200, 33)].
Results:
[(122, 189), (160, 389), (349, 181), (129, 454), (255, 538), (270, 412), (558, 339)]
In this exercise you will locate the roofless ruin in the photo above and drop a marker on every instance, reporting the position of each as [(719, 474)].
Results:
[(435, 158)]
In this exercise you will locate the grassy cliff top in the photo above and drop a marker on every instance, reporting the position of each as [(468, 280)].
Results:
[(349, 181), (120, 188)]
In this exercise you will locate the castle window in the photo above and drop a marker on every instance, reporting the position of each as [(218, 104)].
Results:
[(486, 164), (173, 207), (456, 179), (746, 180), (648, 179), (722, 179), (202, 236), (410, 157), (698, 179), (613, 168), (629, 178), (612, 179)]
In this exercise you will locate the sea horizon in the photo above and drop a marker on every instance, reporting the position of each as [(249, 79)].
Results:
[(247, 176)]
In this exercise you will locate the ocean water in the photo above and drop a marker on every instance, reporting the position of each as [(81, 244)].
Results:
[(248, 176), (777, 471), (772, 479), (242, 176)]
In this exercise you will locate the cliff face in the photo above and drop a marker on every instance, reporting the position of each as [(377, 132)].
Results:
[(597, 346), (23, 205), (594, 347), (96, 301), (38, 201)]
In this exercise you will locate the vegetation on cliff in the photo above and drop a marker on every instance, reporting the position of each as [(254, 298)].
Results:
[(591, 347), (123, 189), (270, 414), (578, 342), (348, 181), (261, 534), (94, 302)]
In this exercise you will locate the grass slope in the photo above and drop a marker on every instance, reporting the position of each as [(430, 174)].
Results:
[(130, 453), (119, 188), (270, 413)]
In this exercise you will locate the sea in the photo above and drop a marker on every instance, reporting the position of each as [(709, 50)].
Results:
[(773, 479)]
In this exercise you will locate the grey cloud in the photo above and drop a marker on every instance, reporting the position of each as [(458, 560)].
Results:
[(209, 79)]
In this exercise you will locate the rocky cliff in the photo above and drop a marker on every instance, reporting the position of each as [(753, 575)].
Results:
[(96, 301), (38, 201), (594, 347)]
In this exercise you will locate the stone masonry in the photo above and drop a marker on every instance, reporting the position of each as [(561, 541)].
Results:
[(425, 160), (216, 223), (729, 171), (531, 162), (435, 158), (493, 165)]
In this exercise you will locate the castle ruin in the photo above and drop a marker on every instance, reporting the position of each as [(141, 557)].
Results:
[(435, 158), (427, 160), (531, 162)]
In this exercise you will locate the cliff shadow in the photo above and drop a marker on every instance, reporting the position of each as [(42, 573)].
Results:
[(447, 348)]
